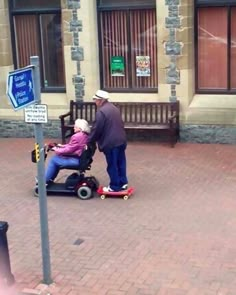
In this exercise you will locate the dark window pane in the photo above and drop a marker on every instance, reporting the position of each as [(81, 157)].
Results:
[(125, 3), (25, 27), (53, 66), (212, 48), (143, 48), (129, 49), (215, 2), (114, 44), (33, 4)]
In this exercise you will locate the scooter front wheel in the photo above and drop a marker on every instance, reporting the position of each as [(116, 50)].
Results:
[(84, 193), (36, 192)]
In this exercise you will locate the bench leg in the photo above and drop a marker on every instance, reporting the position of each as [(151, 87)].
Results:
[(173, 139), (63, 137)]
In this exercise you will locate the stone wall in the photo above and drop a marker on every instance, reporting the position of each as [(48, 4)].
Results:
[(188, 133), (20, 129), (5, 50), (172, 46), (5, 37), (71, 35), (208, 134)]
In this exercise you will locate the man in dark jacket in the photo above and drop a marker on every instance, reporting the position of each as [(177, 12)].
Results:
[(108, 131)]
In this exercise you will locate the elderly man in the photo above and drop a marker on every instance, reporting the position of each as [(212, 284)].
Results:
[(108, 131)]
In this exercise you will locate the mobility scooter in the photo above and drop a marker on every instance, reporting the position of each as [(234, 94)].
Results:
[(77, 183)]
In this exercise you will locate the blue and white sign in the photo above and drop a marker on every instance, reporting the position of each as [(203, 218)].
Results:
[(20, 87)]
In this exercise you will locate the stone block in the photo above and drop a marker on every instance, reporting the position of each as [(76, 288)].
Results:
[(68, 38), (186, 10), (162, 76), (172, 22), (172, 74), (186, 21), (73, 4), (66, 15), (185, 35), (187, 48), (5, 31), (183, 62), (173, 48), (5, 59), (173, 11), (75, 25), (163, 61), (5, 46), (4, 19), (77, 53), (4, 4), (172, 2), (63, 4)]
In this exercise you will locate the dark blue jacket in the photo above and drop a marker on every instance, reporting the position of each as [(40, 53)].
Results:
[(108, 129)]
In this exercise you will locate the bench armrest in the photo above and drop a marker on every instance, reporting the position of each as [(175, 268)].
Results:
[(172, 117), (62, 117), (172, 123)]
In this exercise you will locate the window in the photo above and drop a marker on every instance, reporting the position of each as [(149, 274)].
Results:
[(128, 45), (216, 47), (36, 30)]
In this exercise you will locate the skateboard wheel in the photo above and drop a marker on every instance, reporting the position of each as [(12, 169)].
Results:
[(103, 197), (125, 198)]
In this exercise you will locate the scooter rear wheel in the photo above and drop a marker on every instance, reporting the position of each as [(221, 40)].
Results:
[(84, 192)]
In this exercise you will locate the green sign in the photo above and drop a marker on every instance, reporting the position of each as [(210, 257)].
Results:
[(117, 66)]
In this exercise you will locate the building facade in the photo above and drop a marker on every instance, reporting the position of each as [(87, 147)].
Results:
[(138, 50)]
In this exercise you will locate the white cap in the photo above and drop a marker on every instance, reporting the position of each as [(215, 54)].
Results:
[(101, 94)]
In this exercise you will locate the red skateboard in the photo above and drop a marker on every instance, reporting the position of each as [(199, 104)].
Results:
[(125, 194)]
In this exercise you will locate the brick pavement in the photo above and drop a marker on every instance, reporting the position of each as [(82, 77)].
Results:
[(175, 236)]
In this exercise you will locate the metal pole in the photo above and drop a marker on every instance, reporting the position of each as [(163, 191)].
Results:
[(34, 60)]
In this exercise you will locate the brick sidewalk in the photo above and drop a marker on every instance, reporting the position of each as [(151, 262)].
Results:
[(175, 236)]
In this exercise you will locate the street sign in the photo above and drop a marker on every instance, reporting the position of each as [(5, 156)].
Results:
[(20, 87), (37, 113)]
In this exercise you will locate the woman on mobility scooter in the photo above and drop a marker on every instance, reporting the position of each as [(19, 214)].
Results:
[(68, 155)]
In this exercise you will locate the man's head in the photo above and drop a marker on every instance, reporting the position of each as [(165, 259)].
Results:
[(100, 97)]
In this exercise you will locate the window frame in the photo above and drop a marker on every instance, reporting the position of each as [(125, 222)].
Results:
[(101, 9), (214, 3), (37, 12)]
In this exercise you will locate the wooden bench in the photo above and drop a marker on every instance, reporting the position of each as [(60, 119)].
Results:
[(163, 117)]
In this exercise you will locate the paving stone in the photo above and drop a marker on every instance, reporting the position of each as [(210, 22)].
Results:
[(174, 236)]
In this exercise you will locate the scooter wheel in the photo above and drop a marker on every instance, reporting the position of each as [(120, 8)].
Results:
[(36, 192), (84, 193)]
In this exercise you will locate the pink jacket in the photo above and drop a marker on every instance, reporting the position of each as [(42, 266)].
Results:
[(75, 146)]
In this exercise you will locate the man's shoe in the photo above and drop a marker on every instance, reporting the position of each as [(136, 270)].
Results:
[(124, 186), (107, 189)]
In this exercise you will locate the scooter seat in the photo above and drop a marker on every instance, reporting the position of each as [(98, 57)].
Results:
[(85, 159)]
